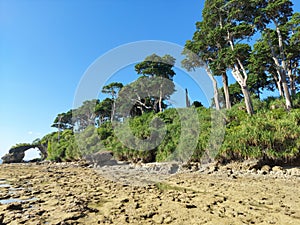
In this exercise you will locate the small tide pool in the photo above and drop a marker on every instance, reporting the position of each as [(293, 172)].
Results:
[(7, 199), (11, 200)]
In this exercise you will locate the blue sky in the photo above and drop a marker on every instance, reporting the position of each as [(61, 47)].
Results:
[(46, 46)]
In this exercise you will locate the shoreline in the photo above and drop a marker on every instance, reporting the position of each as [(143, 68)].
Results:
[(71, 193)]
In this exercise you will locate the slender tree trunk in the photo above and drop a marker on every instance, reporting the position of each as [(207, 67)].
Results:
[(160, 96), (216, 94), (187, 101), (242, 82), (59, 123), (283, 72), (226, 90), (277, 65), (247, 99), (160, 101), (288, 99), (280, 88), (292, 82), (278, 83), (215, 86), (113, 109)]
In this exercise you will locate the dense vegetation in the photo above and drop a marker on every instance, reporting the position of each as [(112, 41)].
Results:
[(250, 127), (271, 133)]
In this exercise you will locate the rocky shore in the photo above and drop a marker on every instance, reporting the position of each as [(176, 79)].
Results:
[(74, 193)]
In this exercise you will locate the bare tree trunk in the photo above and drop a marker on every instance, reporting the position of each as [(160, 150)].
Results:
[(59, 123), (215, 86), (242, 82), (288, 100), (248, 100), (278, 83), (226, 90), (160, 96), (283, 71), (113, 111), (160, 101), (292, 79), (187, 101)]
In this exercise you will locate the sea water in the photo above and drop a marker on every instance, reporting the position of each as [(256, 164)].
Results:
[(4, 184)]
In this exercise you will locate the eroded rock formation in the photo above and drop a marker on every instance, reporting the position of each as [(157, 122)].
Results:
[(17, 154)]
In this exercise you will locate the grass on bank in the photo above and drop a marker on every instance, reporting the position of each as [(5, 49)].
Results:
[(272, 133)]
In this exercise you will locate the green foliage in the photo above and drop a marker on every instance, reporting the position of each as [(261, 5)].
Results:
[(85, 115), (89, 141), (21, 145), (158, 66), (112, 89), (61, 147), (63, 121), (156, 83), (272, 134)]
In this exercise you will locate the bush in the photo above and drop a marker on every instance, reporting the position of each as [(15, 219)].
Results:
[(272, 133)]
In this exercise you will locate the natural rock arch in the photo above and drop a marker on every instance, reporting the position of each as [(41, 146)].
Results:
[(16, 154)]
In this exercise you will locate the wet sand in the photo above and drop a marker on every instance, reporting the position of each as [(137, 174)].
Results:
[(73, 194)]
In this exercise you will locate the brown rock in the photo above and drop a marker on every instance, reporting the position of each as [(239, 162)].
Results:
[(168, 220), (1, 218), (190, 206), (266, 168), (277, 168), (158, 219), (295, 172), (14, 206)]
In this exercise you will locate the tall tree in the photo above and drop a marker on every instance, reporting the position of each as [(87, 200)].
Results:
[(103, 110), (63, 121), (143, 94), (199, 54), (262, 73), (112, 89), (262, 66), (161, 70), (85, 115), (277, 13), (292, 51), (237, 27), (225, 25)]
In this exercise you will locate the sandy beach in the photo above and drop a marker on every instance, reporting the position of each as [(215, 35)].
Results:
[(71, 193)]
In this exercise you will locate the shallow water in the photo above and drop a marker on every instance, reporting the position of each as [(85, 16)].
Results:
[(4, 184), (11, 200)]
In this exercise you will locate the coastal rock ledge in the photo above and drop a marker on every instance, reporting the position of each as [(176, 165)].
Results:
[(16, 154)]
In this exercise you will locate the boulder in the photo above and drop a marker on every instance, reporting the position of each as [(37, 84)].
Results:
[(15, 157), (277, 169), (104, 158), (266, 168), (162, 168), (294, 172)]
